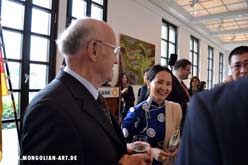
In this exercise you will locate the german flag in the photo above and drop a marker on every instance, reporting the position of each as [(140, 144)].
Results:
[(3, 82), (3, 92)]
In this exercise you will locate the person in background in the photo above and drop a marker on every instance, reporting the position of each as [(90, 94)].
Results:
[(106, 84), (180, 93), (215, 127), (143, 92), (155, 117), (228, 79), (202, 85), (127, 94), (238, 61), (67, 118), (194, 85)]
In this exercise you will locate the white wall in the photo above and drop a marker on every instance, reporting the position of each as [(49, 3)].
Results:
[(131, 18), (142, 20), (61, 28)]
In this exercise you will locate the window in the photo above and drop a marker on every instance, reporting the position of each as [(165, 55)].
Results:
[(168, 41), (210, 66), (92, 8), (221, 66), (30, 50), (194, 55)]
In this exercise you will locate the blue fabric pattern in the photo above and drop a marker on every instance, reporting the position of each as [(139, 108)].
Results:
[(146, 119)]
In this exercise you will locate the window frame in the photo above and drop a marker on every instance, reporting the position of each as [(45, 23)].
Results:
[(24, 61), (192, 52), (89, 3), (167, 41), (221, 67), (210, 66)]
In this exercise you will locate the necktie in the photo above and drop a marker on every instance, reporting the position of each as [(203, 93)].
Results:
[(185, 89), (105, 108)]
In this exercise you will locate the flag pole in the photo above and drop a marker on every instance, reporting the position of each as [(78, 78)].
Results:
[(9, 82)]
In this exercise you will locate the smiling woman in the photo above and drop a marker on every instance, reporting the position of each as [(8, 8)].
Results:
[(194, 85), (155, 117)]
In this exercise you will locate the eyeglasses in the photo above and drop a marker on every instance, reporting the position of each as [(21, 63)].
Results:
[(117, 50), (237, 66)]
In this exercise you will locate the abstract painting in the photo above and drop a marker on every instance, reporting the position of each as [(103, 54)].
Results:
[(137, 57)]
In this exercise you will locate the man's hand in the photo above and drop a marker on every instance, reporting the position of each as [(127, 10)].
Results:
[(137, 158), (130, 147)]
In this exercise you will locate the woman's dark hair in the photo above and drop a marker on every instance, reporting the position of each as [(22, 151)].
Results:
[(182, 63), (119, 83), (195, 77), (202, 83), (155, 69)]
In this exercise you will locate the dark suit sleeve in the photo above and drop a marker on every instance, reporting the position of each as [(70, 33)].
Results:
[(47, 131), (142, 94), (139, 91), (198, 144)]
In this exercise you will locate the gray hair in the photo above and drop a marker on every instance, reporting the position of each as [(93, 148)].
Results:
[(76, 36)]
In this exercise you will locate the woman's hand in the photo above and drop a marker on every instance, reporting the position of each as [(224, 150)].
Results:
[(160, 155), (174, 152), (124, 90)]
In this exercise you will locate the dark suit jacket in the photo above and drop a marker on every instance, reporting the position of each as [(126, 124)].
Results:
[(178, 95), (65, 119), (215, 130), (142, 93)]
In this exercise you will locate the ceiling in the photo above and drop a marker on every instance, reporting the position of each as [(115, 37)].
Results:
[(224, 21)]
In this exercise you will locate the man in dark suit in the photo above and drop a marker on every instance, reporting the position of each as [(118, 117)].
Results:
[(215, 130), (64, 123), (143, 92), (180, 93)]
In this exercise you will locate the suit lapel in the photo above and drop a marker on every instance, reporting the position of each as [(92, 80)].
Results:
[(88, 103), (93, 109), (181, 91)]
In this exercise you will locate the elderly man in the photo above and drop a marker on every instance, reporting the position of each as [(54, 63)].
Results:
[(238, 61), (68, 118)]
